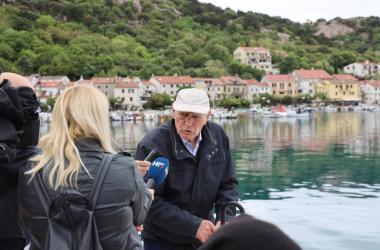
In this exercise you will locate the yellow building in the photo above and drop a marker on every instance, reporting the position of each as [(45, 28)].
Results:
[(344, 88)]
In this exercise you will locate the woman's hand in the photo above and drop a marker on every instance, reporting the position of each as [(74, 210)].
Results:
[(143, 166)]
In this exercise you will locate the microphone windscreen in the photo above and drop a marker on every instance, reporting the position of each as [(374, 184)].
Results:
[(158, 170)]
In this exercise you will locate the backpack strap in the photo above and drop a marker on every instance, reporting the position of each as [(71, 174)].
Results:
[(102, 172), (42, 193)]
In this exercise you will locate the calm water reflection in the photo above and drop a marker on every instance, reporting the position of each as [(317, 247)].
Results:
[(317, 178)]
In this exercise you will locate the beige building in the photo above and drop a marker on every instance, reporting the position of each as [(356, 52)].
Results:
[(255, 88), (306, 79), (281, 84), (342, 89), (129, 92), (256, 57), (105, 84), (234, 86), (213, 86), (171, 84)]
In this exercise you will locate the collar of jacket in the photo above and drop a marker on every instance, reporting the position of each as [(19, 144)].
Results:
[(179, 150), (88, 145)]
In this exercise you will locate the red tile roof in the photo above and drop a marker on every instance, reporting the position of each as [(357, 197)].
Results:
[(344, 77), (146, 82), (174, 79), (126, 85), (373, 83), (83, 81), (313, 74), (215, 81), (103, 80), (278, 78), (251, 81), (231, 79), (254, 49), (256, 83), (54, 84)]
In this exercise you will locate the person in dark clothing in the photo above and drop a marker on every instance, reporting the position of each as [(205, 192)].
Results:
[(19, 129), (201, 175), (69, 161), (248, 233)]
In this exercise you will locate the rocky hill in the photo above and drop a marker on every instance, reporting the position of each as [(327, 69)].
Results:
[(145, 37)]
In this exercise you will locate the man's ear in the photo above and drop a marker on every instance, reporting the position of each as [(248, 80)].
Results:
[(173, 111), (209, 114)]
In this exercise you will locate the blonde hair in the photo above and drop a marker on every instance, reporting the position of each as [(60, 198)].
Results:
[(80, 112)]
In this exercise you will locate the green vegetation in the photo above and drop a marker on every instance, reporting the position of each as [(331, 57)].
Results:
[(165, 37), (158, 101), (270, 100)]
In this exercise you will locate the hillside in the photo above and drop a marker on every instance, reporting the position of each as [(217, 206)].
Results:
[(166, 37)]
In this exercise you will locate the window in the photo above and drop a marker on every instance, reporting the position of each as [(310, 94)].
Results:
[(106, 86), (131, 99), (122, 91)]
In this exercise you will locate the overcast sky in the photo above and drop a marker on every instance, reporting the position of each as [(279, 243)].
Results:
[(302, 10)]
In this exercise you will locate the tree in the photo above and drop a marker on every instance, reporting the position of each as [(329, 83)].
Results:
[(158, 101), (115, 102), (340, 59), (50, 102)]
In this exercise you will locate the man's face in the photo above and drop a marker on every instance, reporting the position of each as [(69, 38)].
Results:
[(189, 125)]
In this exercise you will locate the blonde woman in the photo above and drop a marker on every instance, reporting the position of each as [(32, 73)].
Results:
[(71, 153)]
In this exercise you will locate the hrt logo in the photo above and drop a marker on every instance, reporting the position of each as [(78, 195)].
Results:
[(158, 164)]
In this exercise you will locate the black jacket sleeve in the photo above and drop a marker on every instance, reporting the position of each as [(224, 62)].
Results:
[(228, 188)]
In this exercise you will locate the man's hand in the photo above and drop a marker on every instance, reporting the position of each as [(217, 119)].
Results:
[(205, 230), (139, 228), (143, 166)]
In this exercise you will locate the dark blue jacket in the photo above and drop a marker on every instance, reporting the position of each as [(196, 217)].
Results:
[(194, 185)]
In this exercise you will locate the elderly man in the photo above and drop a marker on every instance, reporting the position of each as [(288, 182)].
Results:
[(18, 135), (201, 176)]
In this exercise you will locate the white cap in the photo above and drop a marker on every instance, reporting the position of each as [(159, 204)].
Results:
[(192, 100)]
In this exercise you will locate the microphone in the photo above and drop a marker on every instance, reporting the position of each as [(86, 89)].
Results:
[(152, 155), (157, 172)]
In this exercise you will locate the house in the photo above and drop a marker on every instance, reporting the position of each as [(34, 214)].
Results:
[(234, 86), (371, 91), (256, 57), (50, 89), (255, 88), (61, 79), (129, 92), (362, 69), (306, 79), (281, 84), (213, 86), (148, 89), (105, 84), (343, 89), (171, 84)]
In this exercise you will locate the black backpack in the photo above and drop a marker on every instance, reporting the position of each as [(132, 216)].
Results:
[(71, 215), (19, 121)]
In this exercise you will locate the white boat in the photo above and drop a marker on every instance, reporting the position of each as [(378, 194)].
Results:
[(120, 116)]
